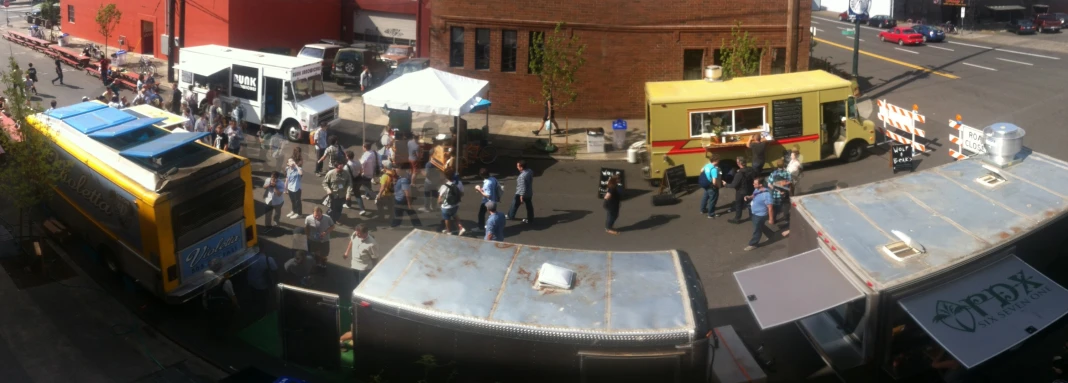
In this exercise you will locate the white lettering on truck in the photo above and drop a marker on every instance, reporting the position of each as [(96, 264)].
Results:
[(245, 82)]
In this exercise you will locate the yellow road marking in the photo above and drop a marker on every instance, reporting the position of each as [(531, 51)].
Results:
[(887, 59)]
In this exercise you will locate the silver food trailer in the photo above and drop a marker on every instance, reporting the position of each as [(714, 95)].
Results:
[(941, 265), (627, 315)]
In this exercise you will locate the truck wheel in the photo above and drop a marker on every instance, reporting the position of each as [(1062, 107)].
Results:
[(110, 260), (292, 131), (853, 152)]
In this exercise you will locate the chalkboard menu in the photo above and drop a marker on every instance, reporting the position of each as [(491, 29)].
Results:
[(676, 179), (606, 173), (901, 157), (786, 121)]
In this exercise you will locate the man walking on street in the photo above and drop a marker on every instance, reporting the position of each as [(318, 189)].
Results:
[(31, 72), (449, 197), (371, 167), (319, 138), (743, 187), (59, 72), (336, 183), (710, 181), (490, 191), (363, 251), (761, 211), (355, 171), (385, 200), (524, 192), (402, 198), (318, 227), (495, 224)]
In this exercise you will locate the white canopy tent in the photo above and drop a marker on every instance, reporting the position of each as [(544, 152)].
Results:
[(430, 91)]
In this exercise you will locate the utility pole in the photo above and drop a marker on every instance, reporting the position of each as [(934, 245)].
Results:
[(181, 22), (170, 40), (419, 29), (856, 44)]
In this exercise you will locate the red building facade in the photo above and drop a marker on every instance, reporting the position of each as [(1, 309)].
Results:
[(249, 24), (646, 40)]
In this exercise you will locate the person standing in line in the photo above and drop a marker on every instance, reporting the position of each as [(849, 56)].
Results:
[(219, 299), (215, 115), (494, 223), (261, 275), (273, 198), (757, 146), (385, 200), (371, 169), (795, 167), (761, 211), (449, 196), (402, 198), (779, 184), (363, 249), (319, 138), (709, 180), (219, 140), (333, 155), (524, 192), (413, 157), (176, 99), (336, 183), (237, 114), (234, 138), (190, 100), (355, 171), (299, 269), (59, 73), (491, 192), (190, 119), (294, 174), (365, 79), (743, 187), (202, 126), (613, 198), (319, 226)]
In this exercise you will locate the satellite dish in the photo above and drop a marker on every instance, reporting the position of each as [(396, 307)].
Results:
[(859, 7)]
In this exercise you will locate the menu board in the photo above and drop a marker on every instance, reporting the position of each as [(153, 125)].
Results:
[(676, 178), (786, 121), (901, 158)]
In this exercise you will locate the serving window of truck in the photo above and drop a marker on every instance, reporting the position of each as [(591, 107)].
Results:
[(939, 267), (814, 112)]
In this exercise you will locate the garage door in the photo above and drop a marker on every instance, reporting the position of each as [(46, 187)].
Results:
[(390, 25)]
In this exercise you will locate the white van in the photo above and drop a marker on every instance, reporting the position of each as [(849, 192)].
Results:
[(277, 91)]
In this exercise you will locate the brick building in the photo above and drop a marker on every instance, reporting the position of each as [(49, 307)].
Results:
[(646, 40), (277, 25)]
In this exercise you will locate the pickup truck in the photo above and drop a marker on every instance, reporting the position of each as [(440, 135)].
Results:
[(1047, 23)]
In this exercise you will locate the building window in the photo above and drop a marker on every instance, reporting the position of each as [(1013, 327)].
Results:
[(70, 14), (456, 47), (717, 57), (535, 43), (482, 48), (730, 120), (778, 60), (509, 44), (692, 60)]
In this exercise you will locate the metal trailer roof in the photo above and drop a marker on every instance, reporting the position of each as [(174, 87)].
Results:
[(945, 209), (618, 298), (261, 58), (673, 92)]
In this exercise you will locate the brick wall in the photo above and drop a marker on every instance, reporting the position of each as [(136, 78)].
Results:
[(626, 46)]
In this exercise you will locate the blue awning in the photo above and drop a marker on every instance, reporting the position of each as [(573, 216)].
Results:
[(125, 127), (74, 110), (481, 105), (162, 145), (98, 119)]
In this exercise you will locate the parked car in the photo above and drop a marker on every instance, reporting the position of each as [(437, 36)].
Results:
[(882, 21), (1047, 23), (349, 62), (844, 16), (1021, 27), (413, 65), (397, 54), (929, 33), (901, 36), (1063, 17), (325, 52)]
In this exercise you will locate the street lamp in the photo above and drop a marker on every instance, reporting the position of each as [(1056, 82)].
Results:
[(856, 9)]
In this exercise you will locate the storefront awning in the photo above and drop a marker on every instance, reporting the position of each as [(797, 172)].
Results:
[(997, 8), (984, 313), (203, 67), (793, 288)]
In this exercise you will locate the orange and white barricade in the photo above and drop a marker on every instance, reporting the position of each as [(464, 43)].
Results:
[(904, 120), (969, 140)]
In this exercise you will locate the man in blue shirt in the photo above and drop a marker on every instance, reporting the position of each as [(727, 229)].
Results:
[(495, 223), (524, 192), (709, 180), (402, 196), (490, 191), (761, 210)]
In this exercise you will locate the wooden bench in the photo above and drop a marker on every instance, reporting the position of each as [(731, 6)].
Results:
[(30, 41), (69, 56)]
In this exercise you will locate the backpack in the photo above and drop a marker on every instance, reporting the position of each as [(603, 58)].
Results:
[(703, 181), (452, 194), (339, 156)]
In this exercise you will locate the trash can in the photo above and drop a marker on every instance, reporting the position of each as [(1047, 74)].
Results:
[(64, 40), (635, 151), (595, 140), (619, 134), (120, 57)]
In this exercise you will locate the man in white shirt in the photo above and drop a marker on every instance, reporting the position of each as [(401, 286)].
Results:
[(364, 253), (370, 163), (413, 156)]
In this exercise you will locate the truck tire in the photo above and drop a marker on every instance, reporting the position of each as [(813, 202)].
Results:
[(853, 152), (664, 200), (110, 260), (292, 131)]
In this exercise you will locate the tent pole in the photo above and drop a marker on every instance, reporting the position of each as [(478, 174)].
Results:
[(364, 122), (456, 161)]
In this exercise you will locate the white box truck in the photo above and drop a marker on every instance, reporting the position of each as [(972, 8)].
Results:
[(278, 92)]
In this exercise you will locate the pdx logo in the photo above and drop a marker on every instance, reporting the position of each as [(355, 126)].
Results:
[(987, 306)]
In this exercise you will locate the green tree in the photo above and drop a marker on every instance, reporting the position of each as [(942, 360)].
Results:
[(741, 56), (556, 58), (50, 12), (30, 170), (108, 17)]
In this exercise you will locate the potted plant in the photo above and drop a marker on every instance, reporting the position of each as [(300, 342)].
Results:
[(718, 128)]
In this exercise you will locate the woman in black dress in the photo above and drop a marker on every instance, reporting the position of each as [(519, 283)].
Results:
[(612, 197)]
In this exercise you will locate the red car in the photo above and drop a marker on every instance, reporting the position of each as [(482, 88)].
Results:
[(901, 36)]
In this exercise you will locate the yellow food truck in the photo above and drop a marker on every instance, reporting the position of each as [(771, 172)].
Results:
[(813, 111)]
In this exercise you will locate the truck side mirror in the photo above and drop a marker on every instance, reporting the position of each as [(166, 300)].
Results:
[(286, 95)]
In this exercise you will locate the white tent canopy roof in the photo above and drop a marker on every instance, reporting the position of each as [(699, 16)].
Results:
[(429, 91)]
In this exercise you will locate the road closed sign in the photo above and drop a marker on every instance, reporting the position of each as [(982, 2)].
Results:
[(970, 139)]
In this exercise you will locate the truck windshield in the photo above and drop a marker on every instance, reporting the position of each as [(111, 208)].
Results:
[(309, 87)]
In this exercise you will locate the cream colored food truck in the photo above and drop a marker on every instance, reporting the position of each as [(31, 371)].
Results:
[(944, 267), (277, 91), (813, 111)]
